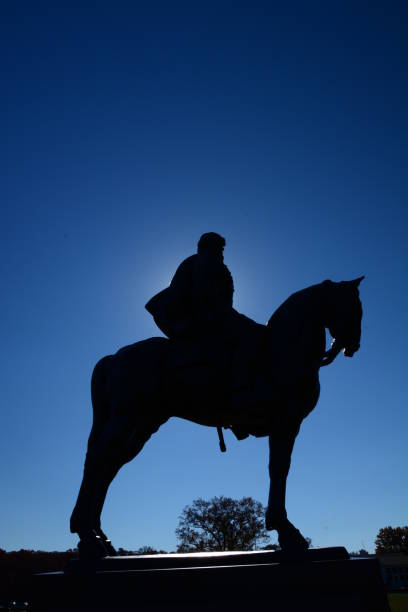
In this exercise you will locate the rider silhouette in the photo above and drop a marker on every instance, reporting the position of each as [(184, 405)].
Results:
[(196, 311), (199, 297)]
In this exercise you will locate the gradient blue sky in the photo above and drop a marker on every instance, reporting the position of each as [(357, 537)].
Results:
[(130, 129)]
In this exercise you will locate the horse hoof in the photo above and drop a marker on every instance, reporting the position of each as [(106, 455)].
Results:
[(107, 543), (290, 539), (92, 547), (110, 548)]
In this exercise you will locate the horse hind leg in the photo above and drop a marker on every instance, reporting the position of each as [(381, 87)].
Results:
[(128, 444), (120, 443), (80, 521), (103, 461)]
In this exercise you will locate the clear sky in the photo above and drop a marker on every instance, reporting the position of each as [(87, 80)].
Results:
[(130, 128)]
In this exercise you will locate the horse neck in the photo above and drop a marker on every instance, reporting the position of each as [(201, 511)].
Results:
[(299, 324), (312, 307)]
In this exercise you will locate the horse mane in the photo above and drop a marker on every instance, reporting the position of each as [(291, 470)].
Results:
[(304, 300)]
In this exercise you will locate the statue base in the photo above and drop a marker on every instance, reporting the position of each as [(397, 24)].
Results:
[(318, 580)]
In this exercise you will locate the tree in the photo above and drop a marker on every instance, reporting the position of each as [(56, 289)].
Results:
[(220, 524), (392, 539), (148, 550)]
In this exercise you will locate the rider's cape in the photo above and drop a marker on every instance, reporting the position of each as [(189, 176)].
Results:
[(163, 308), (170, 308)]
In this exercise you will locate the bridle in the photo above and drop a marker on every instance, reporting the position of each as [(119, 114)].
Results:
[(339, 342)]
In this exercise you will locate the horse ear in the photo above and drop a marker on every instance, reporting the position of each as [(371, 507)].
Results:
[(357, 281)]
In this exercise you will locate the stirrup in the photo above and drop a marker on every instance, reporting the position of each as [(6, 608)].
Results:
[(221, 440)]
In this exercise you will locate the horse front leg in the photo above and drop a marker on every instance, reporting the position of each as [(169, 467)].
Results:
[(280, 452)]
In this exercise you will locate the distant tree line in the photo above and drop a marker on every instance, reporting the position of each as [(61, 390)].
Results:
[(17, 566), (392, 540)]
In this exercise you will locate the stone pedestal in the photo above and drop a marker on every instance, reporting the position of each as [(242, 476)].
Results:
[(320, 580)]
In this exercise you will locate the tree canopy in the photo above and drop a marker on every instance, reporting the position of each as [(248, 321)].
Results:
[(222, 523), (391, 540)]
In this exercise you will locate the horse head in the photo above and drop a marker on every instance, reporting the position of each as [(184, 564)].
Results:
[(343, 318)]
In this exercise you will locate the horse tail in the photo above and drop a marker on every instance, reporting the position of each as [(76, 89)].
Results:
[(99, 391)]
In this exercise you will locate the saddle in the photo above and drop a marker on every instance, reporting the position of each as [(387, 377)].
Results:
[(208, 368)]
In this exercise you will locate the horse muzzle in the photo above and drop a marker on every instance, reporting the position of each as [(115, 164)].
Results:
[(350, 350)]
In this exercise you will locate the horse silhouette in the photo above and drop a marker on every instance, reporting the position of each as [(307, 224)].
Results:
[(136, 391)]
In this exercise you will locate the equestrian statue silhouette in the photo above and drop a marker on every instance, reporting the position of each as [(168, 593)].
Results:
[(216, 368)]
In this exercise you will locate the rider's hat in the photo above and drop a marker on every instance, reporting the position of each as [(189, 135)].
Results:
[(210, 241)]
